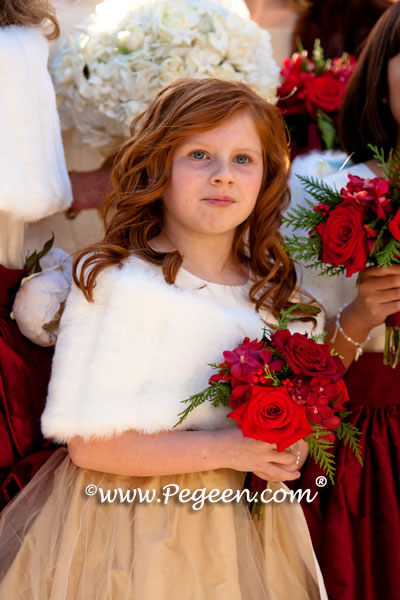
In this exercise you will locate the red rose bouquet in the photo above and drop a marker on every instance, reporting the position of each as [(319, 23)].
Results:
[(283, 388), (351, 229), (310, 97)]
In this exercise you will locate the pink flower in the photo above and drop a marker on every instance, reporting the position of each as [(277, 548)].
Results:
[(370, 193)]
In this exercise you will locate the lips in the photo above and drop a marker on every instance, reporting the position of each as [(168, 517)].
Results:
[(219, 200)]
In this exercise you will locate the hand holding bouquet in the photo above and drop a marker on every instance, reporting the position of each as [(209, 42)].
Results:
[(351, 229), (283, 388)]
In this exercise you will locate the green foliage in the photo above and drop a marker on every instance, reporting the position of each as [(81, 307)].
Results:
[(318, 58), (305, 248), (389, 254), (391, 166), (328, 130), (349, 434), (320, 190), (319, 338), (286, 315), (303, 217), (217, 394), (32, 262), (319, 448)]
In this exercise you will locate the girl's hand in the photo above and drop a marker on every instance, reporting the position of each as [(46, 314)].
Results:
[(378, 295), (262, 458)]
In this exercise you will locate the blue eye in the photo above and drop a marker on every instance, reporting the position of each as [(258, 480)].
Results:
[(198, 154), (242, 159)]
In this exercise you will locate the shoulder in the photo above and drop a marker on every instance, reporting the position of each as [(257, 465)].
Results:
[(17, 42)]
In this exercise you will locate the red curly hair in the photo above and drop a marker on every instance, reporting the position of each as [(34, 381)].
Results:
[(141, 176), (29, 13)]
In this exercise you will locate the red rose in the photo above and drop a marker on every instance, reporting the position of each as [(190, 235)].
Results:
[(343, 237), (394, 226), (305, 357), (325, 92), (272, 416)]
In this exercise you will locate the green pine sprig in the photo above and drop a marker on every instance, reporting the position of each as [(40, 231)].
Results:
[(319, 337), (349, 434), (217, 394), (303, 217), (306, 248), (389, 254), (320, 190), (319, 449), (286, 316)]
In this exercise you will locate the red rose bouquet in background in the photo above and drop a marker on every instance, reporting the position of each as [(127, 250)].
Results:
[(283, 388), (351, 229), (310, 97)]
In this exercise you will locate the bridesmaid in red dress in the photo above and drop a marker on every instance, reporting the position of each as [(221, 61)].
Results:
[(355, 524), (33, 183)]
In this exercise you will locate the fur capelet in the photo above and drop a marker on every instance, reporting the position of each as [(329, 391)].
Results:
[(127, 360), (34, 181)]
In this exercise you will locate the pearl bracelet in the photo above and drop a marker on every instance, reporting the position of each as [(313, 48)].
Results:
[(359, 346)]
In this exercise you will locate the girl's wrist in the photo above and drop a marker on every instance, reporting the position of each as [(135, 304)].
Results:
[(353, 323), (353, 331)]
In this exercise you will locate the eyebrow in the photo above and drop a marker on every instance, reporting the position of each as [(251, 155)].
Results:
[(237, 150)]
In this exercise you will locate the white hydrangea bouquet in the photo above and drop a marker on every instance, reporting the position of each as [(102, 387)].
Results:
[(107, 71)]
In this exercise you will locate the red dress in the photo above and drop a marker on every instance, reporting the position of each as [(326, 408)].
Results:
[(24, 375), (355, 524)]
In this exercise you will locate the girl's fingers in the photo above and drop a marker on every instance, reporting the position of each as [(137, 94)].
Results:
[(375, 284), (380, 271), (275, 473), (284, 458)]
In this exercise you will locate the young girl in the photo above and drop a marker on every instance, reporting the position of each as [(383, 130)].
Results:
[(192, 250)]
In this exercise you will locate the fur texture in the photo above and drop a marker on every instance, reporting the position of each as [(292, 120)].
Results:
[(129, 359), (34, 181)]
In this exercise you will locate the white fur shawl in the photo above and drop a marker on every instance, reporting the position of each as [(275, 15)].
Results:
[(127, 360), (34, 181)]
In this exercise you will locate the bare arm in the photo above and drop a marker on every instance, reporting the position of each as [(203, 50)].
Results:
[(378, 297), (168, 453)]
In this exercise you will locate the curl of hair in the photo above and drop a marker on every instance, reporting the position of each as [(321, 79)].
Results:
[(29, 13), (365, 116), (340, 25), (141, 176)]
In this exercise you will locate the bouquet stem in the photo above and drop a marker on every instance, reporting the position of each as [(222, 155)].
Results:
[(391, 354)]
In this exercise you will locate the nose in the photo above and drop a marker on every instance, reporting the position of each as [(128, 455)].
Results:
[(222, 173)]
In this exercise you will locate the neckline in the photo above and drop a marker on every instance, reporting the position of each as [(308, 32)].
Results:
[(223, 285)]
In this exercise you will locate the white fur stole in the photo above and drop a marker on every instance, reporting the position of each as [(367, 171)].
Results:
[(127, 360), (34, 181)]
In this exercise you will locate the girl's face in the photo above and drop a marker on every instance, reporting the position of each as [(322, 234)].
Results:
[(215, 179), (394, 88)]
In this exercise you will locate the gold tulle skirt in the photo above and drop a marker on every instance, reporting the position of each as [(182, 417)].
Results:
[(57, 542)]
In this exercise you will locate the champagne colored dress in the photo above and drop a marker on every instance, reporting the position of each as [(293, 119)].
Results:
[(59, 541)]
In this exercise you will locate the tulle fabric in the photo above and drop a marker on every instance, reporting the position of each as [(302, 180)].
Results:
[(58, 543)]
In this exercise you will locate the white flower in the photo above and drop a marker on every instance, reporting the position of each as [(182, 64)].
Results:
[(107, 72), (171, 69), (131, 40)]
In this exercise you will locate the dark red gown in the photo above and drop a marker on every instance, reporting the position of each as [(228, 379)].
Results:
[(24, 376), (355, 524)]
